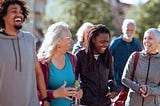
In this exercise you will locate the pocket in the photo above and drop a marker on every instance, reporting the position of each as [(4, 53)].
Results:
[(157, 100), (87, 97), (131, 98)]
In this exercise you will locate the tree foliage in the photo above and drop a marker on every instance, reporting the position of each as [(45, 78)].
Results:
[(76, 12), (146, 16), (95, 11)]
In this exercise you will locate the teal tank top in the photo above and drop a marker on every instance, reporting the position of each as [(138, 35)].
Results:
[(57, 78)]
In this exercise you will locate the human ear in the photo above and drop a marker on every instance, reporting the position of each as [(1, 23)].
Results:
[(93, 40)]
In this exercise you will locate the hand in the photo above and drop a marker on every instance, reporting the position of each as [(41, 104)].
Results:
[(46, 103), (112, 94), (143, 90), (78, 94), (63, 92)]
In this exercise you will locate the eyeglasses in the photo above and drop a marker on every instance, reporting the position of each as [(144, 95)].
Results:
[(68, 37)]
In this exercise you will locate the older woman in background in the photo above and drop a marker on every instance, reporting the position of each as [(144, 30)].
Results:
[(144, 86), (58, 65), (81, 37)]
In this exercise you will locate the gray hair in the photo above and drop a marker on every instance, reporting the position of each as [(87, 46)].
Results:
[(154, 31), (80, 32), (53, 35), (128, 21)]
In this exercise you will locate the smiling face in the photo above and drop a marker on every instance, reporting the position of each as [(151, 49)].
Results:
[(129, 31), (150, 43), (66, 41), (101, 42), (14, 17)]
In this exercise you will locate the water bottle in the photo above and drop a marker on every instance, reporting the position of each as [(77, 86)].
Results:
[(76, 102)]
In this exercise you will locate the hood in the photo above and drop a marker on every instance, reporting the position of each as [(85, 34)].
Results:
[(147, 55), (4, 36), (15, 44)]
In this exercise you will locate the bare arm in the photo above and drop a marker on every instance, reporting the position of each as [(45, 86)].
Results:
[(40, 82)]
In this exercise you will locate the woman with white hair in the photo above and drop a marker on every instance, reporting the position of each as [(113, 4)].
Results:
[(81, 37), (58, 65), (144, 86)]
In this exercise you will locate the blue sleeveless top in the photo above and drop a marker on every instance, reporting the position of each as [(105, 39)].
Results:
[(57, 78)]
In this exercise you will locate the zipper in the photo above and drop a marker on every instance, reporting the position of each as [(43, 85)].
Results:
[(147, 76), (99, 82)]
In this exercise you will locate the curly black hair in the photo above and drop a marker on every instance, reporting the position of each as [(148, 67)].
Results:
[(7, 3), (107, 57)]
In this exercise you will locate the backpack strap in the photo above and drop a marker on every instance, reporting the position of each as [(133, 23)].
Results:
[(73, 60), (135, 64)]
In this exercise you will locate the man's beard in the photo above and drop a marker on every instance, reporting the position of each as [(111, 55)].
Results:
[(17, 27), (129, 36)]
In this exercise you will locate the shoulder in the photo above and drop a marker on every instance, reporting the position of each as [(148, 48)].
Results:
[(42, 60), (71, 56), (27, 35), (81, 53), (136, 54), (114, 43), (136, 41), (43, 64), (116, 40)]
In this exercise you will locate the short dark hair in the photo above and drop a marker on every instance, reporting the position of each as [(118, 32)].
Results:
[(7, 3)]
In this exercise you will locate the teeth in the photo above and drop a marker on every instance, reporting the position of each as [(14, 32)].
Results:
[(103, 48), (148, 45), (18, 19)]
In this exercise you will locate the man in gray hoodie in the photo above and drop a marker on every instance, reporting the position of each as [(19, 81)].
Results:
[(20, 74)]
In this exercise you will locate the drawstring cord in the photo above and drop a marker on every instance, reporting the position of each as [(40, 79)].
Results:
[(14, 49), (20, 66), (16, 56)]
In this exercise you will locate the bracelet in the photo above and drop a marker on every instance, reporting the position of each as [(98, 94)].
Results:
[(45, 99)]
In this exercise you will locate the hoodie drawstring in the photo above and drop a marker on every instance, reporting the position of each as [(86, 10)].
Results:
[(14, 49), (16, 56), (19, 51)]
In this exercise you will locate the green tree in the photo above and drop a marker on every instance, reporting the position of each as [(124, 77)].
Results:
[(95, 11), (146, 16), (76, 12)]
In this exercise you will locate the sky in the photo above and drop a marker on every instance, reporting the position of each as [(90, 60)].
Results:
[(134, 2)]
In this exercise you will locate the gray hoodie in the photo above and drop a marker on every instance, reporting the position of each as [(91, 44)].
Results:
[(17, 70), (147, 72)]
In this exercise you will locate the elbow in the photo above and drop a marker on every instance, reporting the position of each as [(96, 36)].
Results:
[(123, 80)]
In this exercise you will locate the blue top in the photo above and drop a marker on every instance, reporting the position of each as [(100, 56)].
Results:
[(57, 78), (121, 50)]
